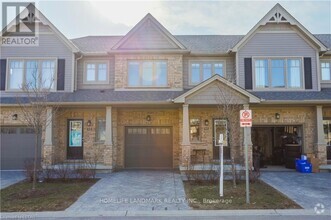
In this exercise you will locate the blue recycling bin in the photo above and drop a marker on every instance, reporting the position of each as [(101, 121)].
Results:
[(303, 166)]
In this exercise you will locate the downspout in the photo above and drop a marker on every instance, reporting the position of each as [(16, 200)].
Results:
[(76, 71)]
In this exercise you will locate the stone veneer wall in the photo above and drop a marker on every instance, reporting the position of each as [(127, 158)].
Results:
[(175, 69), (305, 116), (137, 117)]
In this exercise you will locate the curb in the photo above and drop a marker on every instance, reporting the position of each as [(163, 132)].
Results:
[(182, 213)]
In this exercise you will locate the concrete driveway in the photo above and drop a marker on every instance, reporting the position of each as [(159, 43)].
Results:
[(134, 190), (306, 189), (8, 178)]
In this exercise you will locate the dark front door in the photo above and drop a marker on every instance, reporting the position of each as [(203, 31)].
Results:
[(75, 139), (220, 127), (148, 147)]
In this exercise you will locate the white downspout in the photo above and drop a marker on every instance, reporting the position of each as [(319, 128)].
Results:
[(76, 71)]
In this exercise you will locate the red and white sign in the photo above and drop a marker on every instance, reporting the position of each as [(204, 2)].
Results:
[(245, 118)]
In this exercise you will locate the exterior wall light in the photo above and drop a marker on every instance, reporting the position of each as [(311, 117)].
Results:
[(277, 116), (89, 123), (148, 118), (206, 122), (14, 117)]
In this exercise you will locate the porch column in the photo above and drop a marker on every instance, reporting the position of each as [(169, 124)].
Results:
[(248, 138), (108, 152), (186, 148), (320, 145), (48, 147)]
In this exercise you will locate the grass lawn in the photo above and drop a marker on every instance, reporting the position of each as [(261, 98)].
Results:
[(206, 196), (48, 196)]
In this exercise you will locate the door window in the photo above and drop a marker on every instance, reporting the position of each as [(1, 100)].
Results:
[(75, 133)]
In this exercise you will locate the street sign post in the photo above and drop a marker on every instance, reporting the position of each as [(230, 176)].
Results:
[(245, 122), (221, 164)]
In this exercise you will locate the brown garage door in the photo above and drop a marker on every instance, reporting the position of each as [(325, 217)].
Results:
[(148, 147), (17, 147)]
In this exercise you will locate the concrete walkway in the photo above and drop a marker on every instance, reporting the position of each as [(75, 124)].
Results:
[(8, 178), (135, 190), (306, 189)]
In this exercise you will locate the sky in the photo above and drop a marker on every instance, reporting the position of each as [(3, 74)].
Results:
[(85, 18)]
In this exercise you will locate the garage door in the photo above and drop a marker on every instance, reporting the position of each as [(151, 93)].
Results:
[(148, 147), (17, 146)]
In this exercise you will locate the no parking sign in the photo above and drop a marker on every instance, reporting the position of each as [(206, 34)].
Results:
[(245, 118)]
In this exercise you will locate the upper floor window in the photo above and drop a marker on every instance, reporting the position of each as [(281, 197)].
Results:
[(326, 69), (278, 73), (147, 74), (202, 70), (96, 72), (30, 73)]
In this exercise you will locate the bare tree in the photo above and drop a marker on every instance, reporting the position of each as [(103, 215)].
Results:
[(229, 102), (33, 103)]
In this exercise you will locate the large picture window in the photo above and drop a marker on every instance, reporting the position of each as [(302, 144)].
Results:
[(278, 73), (30, 73), (202, 70), (147, 74), (326, 70), (96, 72)]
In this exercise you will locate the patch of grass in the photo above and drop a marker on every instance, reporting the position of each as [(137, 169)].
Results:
[(205, 196), (48, 196)]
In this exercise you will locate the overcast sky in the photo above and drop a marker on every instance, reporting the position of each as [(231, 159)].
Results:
[(83, 18)]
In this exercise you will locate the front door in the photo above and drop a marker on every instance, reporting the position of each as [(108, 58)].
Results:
[(220, 127), (75, 139)]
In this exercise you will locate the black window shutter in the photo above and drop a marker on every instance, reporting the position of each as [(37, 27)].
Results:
[(3, 74), (308, 73), (60, 74), (248, 73)]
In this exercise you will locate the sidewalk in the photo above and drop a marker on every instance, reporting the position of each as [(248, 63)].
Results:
[(182, 213)]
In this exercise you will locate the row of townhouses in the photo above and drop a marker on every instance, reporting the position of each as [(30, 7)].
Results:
[(151, 99)]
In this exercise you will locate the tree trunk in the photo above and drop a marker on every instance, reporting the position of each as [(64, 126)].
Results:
[(34, 180)]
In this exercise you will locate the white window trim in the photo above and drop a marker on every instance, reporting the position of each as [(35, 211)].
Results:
[(140, 74), (269, 58), (325, 61), (24, 59), (201, 62), (96, 62)]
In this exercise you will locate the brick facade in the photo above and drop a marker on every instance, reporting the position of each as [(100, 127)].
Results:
[(114, 154)]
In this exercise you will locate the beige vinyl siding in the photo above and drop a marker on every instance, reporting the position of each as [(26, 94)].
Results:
[(229, 71), (277, 44), (81, 72), (50, 45), (276, 27), (148, 37), (210, 95)]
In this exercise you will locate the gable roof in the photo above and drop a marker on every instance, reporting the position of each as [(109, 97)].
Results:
[(252, 98), (42, 18), (278, 14), (150, 21)]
